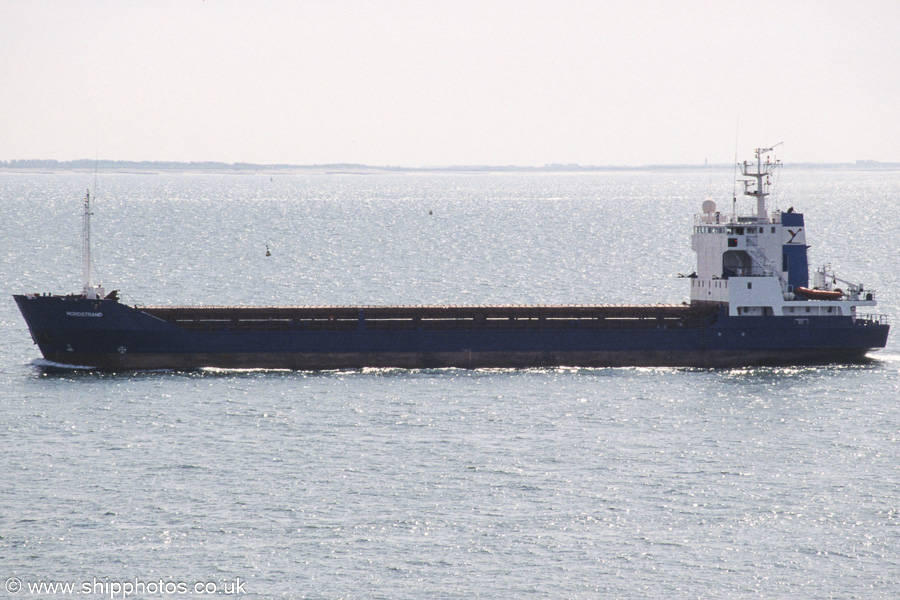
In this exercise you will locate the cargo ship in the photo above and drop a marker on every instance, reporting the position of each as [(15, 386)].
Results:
[(751, 303)]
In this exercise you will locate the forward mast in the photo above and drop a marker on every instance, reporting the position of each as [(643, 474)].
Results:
[(89, 290)]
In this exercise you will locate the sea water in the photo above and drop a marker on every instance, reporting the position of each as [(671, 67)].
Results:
[(538, 483)]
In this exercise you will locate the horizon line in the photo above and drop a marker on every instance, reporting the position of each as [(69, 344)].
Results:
[(85, 163)]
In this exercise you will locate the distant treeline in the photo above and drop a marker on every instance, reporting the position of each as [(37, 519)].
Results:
[(126, 165), (146, 165)]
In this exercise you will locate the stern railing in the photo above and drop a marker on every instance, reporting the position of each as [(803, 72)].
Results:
[(872, 319)]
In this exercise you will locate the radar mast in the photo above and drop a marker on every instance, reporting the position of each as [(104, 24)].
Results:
[(761, 172)]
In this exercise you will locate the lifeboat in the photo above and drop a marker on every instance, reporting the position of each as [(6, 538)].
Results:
[(818, 294)]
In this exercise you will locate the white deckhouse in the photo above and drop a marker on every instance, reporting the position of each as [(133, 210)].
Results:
[(757, 265)]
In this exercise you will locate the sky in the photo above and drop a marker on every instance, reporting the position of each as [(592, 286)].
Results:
[(443, 83)]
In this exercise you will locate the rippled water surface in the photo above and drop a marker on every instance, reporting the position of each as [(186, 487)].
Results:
[(556, 483)]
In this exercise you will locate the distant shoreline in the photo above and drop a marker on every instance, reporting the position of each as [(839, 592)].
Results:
[(149, 167)]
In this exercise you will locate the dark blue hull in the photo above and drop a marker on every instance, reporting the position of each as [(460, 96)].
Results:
[(105, 334)]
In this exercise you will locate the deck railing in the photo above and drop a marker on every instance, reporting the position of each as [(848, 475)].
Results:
[(872, 319), (432, 318)]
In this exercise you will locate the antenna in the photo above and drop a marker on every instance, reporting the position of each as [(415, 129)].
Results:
[(96, 166), (737, 129)]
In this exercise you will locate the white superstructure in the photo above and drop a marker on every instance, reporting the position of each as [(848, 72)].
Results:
[(757, 265)]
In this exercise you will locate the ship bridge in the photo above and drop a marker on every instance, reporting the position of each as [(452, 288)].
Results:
[(757, 264)]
